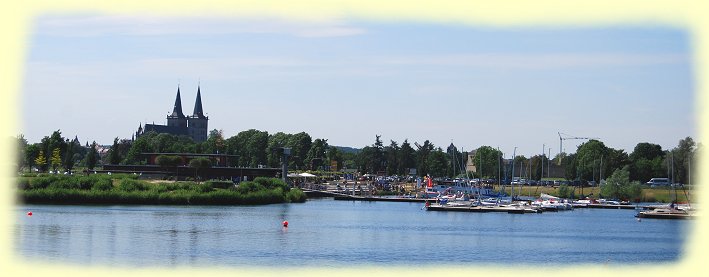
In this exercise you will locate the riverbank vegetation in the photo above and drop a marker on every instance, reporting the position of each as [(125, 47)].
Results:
[(127, 189), (592, 163)]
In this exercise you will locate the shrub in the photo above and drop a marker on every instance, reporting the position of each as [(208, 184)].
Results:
[(249, 186), (220, 184), (102, 185), (23, 183), (131, 185), (296, 196)]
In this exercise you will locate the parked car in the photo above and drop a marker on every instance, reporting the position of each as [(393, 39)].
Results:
[(658, 182)]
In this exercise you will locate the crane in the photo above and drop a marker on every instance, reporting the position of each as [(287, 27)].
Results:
[(561, 141)]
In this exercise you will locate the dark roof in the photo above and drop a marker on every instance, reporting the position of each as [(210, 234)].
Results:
[(198, 105), (166, 129), (177, 109)]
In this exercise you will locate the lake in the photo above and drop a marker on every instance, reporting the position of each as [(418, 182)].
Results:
[(328, 233)]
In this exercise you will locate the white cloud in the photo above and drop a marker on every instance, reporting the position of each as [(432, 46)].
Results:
[(146, 25), (540, 61)]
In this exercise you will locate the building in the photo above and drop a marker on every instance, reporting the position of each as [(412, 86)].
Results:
[(194, 126)]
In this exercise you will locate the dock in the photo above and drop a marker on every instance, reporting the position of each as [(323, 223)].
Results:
[(385, 199), (482, 209)]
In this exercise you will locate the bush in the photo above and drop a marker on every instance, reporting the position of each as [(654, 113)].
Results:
[(102, 185), (296, 196), (271, 183), (23, 183), (249, 186), (220, 184), (131, 185)]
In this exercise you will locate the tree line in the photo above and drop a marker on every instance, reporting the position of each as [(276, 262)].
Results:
[(592, 161)]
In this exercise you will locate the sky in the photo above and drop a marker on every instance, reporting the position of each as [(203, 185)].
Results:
[(99, 76)]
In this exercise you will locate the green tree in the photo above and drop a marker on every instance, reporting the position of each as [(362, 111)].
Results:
[(21, 150), (422, 160), (646, 162), (300, 145), (31, 153), (275, 143), (198, 164), (618, 186), (487, 160), (438, 164), (407, 157), (215, 142), (316, 155), (41, 161), (69, 156), (113, 153), (91, 156), (334, 155), (391, 154), (679, 159), (56, 159)]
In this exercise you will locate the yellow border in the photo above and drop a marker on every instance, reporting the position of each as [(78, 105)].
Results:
[(16, 27)]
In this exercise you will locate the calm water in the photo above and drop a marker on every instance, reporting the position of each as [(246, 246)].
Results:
[(328, 233)]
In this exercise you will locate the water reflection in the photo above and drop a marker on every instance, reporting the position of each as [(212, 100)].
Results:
[(326, 232)]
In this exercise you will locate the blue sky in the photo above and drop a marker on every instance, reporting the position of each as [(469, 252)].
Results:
[(347, 80)]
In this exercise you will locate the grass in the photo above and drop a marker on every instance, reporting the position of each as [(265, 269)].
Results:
[(105, 189)]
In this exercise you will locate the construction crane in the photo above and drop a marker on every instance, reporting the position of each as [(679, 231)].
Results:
[(561, 141)]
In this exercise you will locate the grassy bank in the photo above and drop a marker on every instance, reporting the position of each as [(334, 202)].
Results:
[(106, 189)]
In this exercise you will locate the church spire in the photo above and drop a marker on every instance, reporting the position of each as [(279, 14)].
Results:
[(177, 109), (198, 105)]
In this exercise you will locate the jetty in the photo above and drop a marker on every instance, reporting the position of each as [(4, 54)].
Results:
[(483, 209)]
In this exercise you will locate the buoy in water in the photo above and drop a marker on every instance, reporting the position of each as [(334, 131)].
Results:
[(285, 223), (29, 213)]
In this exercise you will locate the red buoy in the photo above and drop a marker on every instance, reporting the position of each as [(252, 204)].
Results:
[(29, 213), (285, 223)]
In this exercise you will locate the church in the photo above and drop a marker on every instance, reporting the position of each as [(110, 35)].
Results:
[(194, 126)]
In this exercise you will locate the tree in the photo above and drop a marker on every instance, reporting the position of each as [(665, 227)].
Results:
[(334, 155), (198, 164), (618, 186), (275, 143), (169, 161), (393, 164), (41, 161), (69, 157), (407, 157), (422, 161), (679, 159), (31, 153), (21, 149), (437, 162), (646, 162), (491, 159), (316, 154), (113, 154), (56, 159), (215, 142), (300, 145), (91, 157)]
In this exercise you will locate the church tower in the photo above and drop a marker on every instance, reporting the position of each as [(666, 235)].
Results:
[(177, 118), (198, 122)]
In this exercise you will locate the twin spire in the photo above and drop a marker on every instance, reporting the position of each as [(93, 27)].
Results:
[(177, 109)]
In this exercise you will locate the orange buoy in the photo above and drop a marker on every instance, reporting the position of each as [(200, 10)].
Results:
[(29, 213), (285, 223)]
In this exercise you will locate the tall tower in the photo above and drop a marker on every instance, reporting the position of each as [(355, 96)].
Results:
[(177, 118), (198, 122)]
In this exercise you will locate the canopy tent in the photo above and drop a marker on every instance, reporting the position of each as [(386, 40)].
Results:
[(306, 175)]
